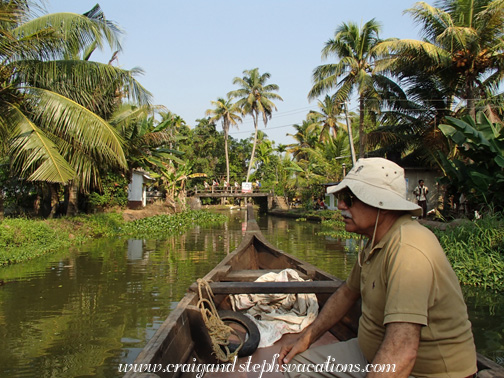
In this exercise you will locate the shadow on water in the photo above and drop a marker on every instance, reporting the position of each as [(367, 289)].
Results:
[(83, 312)]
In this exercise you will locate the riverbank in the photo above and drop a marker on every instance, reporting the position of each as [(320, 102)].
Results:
[(475, 249), (24, 239)]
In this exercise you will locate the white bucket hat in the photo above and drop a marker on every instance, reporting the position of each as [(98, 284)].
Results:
[(379, 183)]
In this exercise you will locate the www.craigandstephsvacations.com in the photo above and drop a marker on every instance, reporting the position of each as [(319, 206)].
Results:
[(265, 367)]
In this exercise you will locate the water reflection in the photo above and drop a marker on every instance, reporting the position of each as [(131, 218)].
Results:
[(486, 312), (135, 249), (82, 312)]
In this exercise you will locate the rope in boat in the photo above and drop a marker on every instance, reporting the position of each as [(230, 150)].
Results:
[(219, 332)]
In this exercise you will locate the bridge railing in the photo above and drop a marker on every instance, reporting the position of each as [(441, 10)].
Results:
[(230, 190)]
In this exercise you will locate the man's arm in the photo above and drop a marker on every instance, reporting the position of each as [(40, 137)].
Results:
[(335, 308), (399, 347)]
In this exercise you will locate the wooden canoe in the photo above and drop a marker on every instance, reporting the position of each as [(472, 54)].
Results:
[(183, 339)]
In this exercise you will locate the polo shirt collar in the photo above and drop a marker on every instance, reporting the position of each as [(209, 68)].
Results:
[(369, 252)]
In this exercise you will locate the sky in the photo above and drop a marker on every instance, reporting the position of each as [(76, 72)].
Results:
[(190, 50)]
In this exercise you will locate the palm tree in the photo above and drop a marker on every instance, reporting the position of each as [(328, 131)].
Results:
[(328, 117), (354, 48), (146, 140), (174, 124), (226, 112), (264, 154), (307, 136), (255, 99), (47, 112), (462, 48)]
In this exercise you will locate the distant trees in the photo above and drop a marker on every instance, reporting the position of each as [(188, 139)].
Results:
[(353, 46), (68, 121), (329, 117), (255, 98), (229, 114)]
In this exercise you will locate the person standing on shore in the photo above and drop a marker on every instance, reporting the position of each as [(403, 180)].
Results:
[(421, 192)]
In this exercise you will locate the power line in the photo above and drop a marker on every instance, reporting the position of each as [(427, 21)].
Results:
[(355, 110), (268, 128)]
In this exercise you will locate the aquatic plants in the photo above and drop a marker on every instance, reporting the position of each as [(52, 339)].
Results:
[(23, 239), (335, 227), (476, 252), (162, 225)]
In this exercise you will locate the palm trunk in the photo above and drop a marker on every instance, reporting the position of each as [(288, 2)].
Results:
[(362, 136), (255, 116), (72, 207), (226, 132), (37, 203), (54, 200), (1, 204)]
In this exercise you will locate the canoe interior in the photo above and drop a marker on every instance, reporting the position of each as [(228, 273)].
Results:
[(183, 339)]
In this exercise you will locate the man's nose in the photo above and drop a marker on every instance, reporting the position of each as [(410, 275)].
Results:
[(342, 205)]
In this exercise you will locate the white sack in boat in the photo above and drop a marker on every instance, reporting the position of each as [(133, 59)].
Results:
[(276, 314)]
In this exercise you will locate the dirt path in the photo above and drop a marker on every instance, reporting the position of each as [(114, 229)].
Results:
[(150, 210)]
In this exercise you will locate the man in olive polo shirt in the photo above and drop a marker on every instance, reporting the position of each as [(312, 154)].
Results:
[(413, 312)]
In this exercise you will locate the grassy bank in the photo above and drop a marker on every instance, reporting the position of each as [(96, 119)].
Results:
[(25, 239), (476, 252)]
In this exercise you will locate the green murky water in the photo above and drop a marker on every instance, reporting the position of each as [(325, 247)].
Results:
[(82, 313)]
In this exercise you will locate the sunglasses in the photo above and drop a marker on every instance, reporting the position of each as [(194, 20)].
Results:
[(346, 196)]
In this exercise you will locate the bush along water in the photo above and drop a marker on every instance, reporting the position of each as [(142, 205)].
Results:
[(23, 239), (476, 252), (335, 227), (163, 225)]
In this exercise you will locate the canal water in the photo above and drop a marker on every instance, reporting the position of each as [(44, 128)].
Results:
[(84, 312)]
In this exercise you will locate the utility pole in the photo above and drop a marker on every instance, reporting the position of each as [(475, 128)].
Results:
[(350, 135)]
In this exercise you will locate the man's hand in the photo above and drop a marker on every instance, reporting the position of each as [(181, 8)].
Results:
[(289, 351), (335, 308)]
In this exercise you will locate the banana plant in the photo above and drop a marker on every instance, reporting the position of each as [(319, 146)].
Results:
[(476, 164)]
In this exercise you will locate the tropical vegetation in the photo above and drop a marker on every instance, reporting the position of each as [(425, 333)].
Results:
[(55, 101), (229, 114), (354, 71), (255, 98), (72, 130), (476, 252)]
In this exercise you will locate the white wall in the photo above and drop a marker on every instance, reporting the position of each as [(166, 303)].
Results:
[(136, 187)]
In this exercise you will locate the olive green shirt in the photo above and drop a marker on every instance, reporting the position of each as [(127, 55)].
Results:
[(406, 277)]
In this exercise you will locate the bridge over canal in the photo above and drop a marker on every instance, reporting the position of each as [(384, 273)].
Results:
[(263, 197)]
